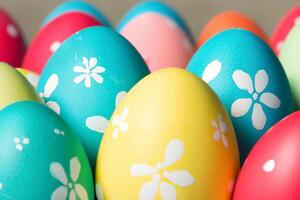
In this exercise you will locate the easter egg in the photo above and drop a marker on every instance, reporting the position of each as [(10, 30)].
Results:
[(289, 57), (159, 34), (14, 87), (284, 26), (229, 20), (249, 79), (12, 45), (87, 77), (273, 164), (76, 6), (32, 77), (41, 155), (49, 38), (168, 139)]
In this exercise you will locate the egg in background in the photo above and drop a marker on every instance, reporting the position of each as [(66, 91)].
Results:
[(14, 87), (159, 34), (87, 77), (249, 79), (229, 20), (12, 45), (271, 171), (170, 138), (76, 6), (32, 77), (50, 37), (284, 26), (40, 156)]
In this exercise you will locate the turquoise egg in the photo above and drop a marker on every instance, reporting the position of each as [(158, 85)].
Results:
[(79, 6), (157, 7), (40, 156), (87, 77), (250, 81)]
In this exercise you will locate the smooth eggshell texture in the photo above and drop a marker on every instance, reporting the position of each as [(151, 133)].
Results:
[(271, 171), (166, 45), (32, 77), (249, 79), (41, 155), (229, 20), (87, 77), (290, 60), (76, 6), (48, 39), (170, 138), (12, 45), (14, 87), (283, 28)]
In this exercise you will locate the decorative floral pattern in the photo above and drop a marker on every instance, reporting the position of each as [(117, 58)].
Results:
[(211, 71), (68, 187), (49, 88), (269, 166), (257, 97), (181, 178), (12, 31), (99, 192), (88, 72), (59, 132), (119, 123), (21, 143), (221, 128)]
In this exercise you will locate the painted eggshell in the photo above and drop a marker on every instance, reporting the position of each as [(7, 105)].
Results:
[(87, 77), (180, 140), (249, 79), (283, 28), (76, 6), (273, 164), (37, 148), (14, 87), (290, 60), (12, 45), (167, 44), (32, 77), (51, 36), (229, 20)]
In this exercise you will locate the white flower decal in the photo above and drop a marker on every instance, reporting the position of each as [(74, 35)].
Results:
[(211, 71), (88, 72), (119, 122), (21, 143), (181, 178), (59, 132), (257, 97), (98, 123), (49, 88), (99, 192), (221, 128), (68, 187)]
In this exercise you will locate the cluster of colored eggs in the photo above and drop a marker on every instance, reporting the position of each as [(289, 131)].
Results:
[(171, 134)]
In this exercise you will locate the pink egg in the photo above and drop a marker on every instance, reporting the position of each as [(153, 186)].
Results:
[(49, 38), (12, 45), (283, 28), (159, 40)]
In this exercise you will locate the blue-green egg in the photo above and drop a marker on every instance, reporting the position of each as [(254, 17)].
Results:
[(87, 77), (76, 6), (250, 81), (40, 156)]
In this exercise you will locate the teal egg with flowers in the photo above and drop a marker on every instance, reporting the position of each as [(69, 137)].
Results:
[(40, 156), (87, 77), (250, 81)]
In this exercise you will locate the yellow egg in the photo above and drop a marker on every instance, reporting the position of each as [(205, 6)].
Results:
[(170, 138), (14, 87), (32, 77)]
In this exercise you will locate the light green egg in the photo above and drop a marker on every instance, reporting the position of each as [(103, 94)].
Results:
[(290, 59), (14, 87)]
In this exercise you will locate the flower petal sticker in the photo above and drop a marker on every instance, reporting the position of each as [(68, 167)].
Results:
[(211, 71), (97, 123)]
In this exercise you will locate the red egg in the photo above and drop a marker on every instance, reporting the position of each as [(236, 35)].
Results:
[(12, 45), (284, 26), (271, 171), (49, 38)]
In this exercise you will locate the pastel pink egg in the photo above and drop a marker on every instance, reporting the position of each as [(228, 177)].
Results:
[(159, 40), (49, 38), (283, 28), (12, 45)]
